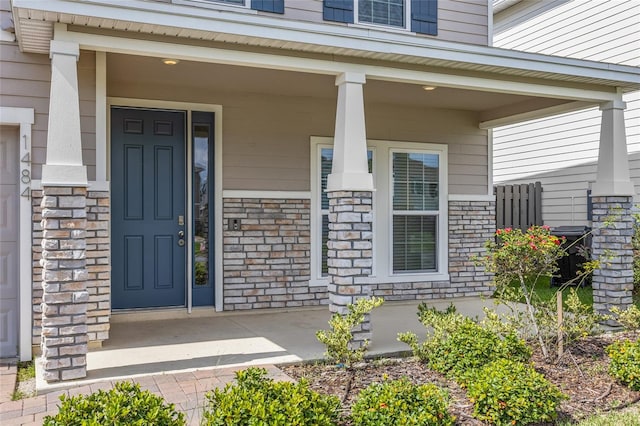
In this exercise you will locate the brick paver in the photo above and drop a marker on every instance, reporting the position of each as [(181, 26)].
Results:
[(8, 372), (186, 390)]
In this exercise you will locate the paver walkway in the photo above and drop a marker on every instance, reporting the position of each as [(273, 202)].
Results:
[(185, 390)]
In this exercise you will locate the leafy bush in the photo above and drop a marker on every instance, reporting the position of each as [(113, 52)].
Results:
[(471, 347), (257, 400), (507, 392), (459, 345), (400, 402), (123, 405), (339, 339), (629, 318), (625, 362)]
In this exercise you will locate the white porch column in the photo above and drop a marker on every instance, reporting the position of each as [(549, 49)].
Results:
[(612, 222), (64, 148), (350, 170), (613, 177), (64, 222), (350, 190)]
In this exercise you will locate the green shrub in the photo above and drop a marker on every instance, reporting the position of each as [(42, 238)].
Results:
[(507, 392), (625, 362), (258, 401), (471, 347), (400, 402), (629, 318), (339, 339), (123, 405)]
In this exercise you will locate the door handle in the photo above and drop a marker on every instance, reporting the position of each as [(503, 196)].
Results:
[(180, 234), (181, 238)]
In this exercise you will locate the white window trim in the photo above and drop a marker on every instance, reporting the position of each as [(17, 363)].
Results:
[(382, 232), (442, 205), (407, 19)]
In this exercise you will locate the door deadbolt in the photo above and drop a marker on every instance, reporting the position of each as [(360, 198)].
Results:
[(181, 242)]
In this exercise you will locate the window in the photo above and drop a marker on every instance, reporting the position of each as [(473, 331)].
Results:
[(410, 210), (419, 16), (415, 208), (383, 12)]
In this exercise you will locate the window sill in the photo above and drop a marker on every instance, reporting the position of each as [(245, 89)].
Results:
[(379, 27)]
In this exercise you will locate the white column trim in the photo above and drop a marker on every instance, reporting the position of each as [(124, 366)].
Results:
[(64, 166), (350, 171), (24, 118), (613, 177)]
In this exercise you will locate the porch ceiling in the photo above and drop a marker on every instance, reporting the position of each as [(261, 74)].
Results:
[(215, 78)]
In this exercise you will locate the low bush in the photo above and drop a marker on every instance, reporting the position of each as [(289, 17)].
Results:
[(625, 362), (629, 318), (507, 392), (471, 347), (125, 404), (400, 402), (257, 400), (339, 339)]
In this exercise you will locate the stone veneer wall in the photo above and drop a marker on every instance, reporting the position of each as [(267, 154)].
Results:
[(267, 262), (471, 224), (97, 262)]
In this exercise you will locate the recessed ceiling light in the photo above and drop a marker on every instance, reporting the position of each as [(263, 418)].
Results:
[(427, 88), (169, 61)]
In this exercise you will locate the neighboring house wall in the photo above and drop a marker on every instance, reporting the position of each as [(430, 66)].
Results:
[(464, 21), (562, 151)]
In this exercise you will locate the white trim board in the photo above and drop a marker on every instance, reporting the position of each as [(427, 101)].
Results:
[(287, 195), (24, 118)]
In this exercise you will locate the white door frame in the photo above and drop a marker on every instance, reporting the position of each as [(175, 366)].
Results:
[(217, 215), (24, 118)]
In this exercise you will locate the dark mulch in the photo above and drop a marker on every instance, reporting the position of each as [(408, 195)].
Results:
[(581, 374)]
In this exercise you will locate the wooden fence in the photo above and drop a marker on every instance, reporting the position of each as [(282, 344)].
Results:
[(518, 206)]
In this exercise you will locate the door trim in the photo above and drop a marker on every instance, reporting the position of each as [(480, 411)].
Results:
[(24, 118), (217, 216)]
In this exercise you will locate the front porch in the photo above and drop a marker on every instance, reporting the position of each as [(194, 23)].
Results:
[(206, 341)]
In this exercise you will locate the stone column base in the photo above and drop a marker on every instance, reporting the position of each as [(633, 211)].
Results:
[(612, 234)]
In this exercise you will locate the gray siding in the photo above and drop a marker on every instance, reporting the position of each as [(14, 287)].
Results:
[(25, 80), (464, 21)]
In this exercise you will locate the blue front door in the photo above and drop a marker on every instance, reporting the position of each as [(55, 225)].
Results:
[(148, 252)]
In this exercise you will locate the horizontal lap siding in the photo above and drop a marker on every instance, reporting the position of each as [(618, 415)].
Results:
[(562, 151), (266, 139), (463, 21), (25, 80)]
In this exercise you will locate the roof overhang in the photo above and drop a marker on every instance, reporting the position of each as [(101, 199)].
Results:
[(241, 37)]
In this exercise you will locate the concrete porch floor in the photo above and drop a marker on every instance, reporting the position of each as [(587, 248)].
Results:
[(139, 346)]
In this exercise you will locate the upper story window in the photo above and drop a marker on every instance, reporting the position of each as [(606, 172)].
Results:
[(419, 16), (382, 12)]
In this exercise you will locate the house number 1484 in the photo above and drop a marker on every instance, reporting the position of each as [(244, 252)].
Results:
[(25, 176)]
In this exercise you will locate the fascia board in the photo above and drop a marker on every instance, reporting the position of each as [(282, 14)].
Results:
[(336, 36)]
